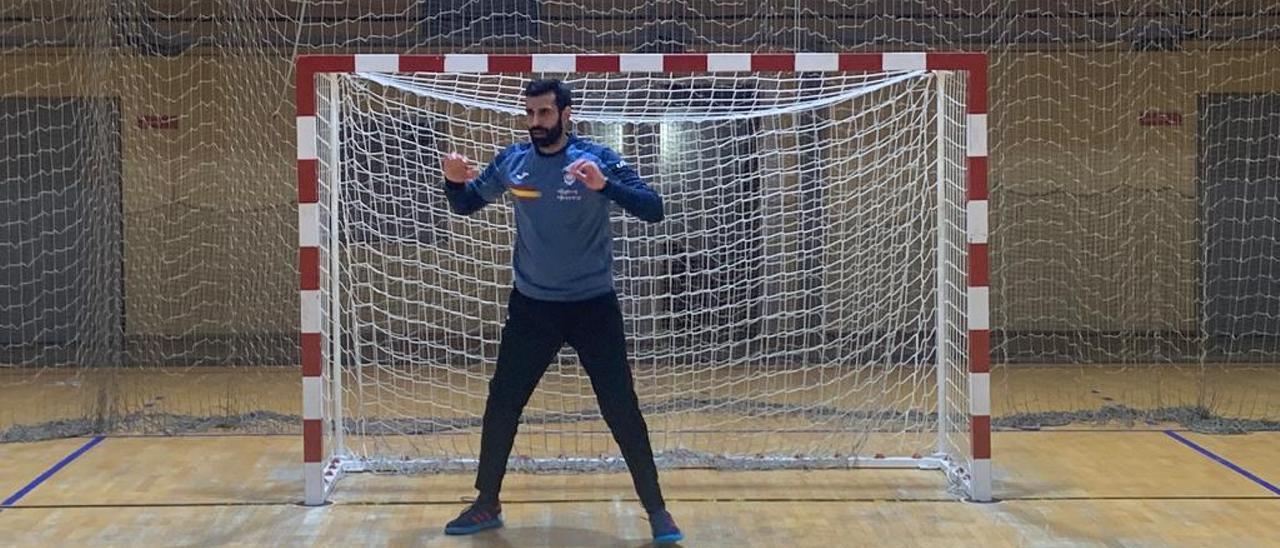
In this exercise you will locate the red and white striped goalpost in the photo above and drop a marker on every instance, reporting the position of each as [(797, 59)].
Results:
[(322, 471)]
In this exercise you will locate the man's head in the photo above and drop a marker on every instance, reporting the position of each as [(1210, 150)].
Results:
[(546, 105)]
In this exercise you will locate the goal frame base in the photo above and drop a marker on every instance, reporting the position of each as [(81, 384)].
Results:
[(339, 467)]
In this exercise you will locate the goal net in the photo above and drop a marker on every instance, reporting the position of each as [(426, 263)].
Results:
[(803, 304)]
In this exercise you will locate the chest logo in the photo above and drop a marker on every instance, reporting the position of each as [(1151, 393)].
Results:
[(568, 194)]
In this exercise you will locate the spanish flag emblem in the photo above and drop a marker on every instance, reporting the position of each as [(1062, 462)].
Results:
[(525, 192)]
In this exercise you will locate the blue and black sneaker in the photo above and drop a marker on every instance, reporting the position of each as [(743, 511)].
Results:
[(664, 528), (478, 517)]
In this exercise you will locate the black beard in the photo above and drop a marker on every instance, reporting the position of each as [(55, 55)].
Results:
[(552, 135)]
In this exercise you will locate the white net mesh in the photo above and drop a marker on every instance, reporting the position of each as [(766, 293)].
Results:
[(148, 199), (783, 314)]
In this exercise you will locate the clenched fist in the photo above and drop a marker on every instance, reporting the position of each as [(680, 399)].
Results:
[(457, 168)]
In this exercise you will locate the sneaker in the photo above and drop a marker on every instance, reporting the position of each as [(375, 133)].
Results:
[(475, 519), (664, 528)]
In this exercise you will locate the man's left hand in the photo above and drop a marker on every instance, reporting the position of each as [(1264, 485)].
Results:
[(589, 173)]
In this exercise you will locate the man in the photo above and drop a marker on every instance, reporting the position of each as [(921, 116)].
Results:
[(562, 187)]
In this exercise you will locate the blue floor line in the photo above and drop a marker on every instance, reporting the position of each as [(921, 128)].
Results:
[(14, 498), (1264, 483)]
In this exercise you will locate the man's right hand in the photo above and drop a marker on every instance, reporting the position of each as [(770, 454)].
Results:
[(457, 168)]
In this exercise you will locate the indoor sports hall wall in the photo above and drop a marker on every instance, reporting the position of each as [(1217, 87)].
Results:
[(1094, 214), (1095, 220)]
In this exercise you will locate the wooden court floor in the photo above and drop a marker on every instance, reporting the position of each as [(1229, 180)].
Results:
[(1082, 487)]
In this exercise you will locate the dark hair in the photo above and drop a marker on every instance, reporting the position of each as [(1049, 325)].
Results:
[(564, 95)]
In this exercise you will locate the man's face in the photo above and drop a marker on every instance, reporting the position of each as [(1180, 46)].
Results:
[(546, 123)]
